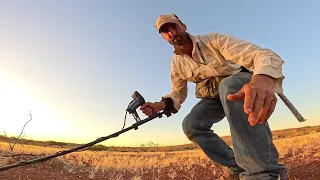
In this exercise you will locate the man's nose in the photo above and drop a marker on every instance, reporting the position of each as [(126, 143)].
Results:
[(172, 32)]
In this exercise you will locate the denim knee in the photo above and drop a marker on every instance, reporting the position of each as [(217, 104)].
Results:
[(233, 84), (226, 87), (189, 127)]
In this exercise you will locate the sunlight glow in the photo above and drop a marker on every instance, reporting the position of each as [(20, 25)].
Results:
[(16, 105)]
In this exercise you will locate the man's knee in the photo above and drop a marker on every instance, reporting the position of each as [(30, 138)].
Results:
[(233, 84), (189, 126), (229, 85)]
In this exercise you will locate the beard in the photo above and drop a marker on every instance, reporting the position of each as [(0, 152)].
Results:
[(179, 39)]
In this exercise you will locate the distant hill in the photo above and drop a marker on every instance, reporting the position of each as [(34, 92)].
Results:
[(152, 147)]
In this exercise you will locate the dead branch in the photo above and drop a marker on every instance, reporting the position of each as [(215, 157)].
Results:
[(22, 132), (21, 135)]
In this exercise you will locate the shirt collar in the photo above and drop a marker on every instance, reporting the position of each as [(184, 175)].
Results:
[(194, 40)]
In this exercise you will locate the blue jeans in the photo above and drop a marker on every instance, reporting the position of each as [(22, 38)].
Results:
[(254, 155)]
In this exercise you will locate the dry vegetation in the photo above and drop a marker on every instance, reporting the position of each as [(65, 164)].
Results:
[(300, 154)]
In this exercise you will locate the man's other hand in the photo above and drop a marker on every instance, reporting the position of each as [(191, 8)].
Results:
[(259, 98), (149, 108)]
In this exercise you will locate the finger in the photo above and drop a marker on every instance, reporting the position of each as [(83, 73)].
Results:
[(258, 104), (149, 110), (149, 113), (236, 96), (250, 117), (272, 108), (261, 117), (265, 109), (144, 106), (250, 96), (146, 110)]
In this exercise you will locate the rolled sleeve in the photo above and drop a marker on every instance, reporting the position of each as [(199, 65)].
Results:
[(259, 60), (269, 63)]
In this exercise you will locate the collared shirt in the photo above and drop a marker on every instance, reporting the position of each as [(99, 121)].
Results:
[(216, 54)]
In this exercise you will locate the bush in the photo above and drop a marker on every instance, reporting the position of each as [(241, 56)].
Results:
[(99, 148)]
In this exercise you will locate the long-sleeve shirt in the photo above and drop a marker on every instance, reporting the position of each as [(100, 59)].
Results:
[(216, 54)]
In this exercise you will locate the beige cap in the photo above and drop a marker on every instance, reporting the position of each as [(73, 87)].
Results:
[(166, 18)]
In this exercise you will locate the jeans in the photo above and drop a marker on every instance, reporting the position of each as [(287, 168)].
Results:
[(254, 155)]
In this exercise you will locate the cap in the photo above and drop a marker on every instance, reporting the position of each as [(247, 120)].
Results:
[(166, 18)]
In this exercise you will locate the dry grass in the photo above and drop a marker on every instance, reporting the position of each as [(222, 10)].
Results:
[(300, 146), (161, 165)]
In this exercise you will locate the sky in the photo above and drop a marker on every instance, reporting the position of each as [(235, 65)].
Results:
[(75, 64)]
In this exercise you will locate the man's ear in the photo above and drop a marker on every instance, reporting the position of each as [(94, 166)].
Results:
[(184, 26)]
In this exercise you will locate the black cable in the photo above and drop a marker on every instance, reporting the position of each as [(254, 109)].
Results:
[(125, 116), (124, 123)]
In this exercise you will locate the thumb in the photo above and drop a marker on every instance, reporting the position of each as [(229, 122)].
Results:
[(236, 96)]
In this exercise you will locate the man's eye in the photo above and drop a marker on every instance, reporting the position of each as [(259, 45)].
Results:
[(165, 30)]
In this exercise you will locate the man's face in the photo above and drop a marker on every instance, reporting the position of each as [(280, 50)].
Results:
[(174, 33)]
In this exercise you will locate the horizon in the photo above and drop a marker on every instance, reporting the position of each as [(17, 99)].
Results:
[(146, 145), (75, 64)]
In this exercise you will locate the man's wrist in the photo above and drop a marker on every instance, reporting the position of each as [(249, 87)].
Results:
[(162, 105), (262, 78)]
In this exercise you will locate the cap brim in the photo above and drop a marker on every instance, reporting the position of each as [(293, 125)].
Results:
[(160, 26)]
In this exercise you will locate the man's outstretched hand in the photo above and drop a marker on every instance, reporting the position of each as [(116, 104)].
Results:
[(259, 98)]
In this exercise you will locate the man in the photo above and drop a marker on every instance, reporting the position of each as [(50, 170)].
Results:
[(234, 78)]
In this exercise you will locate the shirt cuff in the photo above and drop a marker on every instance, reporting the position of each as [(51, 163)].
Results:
[(276, 73), (176, 104), (169, 105)]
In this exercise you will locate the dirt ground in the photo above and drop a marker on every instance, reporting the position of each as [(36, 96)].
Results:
[(304, 168)]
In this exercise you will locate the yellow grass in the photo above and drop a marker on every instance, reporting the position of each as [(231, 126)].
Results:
[(140, 163), (299, 146)]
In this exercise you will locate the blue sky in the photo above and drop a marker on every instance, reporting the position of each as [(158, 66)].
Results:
[(75, 64)]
